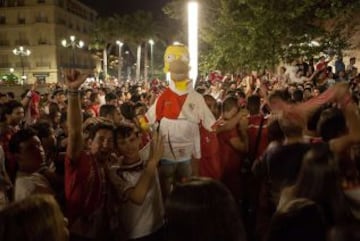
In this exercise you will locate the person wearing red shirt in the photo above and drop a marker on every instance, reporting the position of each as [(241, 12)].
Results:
[(87, 186), (233, 144)]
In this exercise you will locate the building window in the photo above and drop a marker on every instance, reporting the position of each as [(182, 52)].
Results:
[(21, 21), (22, 40), (41, 1), (41, 18), (21, 3), (42, 41), (2, 20), (21, 18), (3, 39), (4, 61)]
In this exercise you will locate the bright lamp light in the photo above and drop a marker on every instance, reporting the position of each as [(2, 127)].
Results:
[(193, 12)]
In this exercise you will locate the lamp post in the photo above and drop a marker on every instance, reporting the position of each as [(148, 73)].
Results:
[(73, 44), (22, 52), (119, 44), (151, 42), (193, 12)]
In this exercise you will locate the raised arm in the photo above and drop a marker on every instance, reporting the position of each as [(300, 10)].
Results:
[(74, 117), (351, 113), (138, 193)]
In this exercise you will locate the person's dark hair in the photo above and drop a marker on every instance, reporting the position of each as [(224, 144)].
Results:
[(53, 107), (91, 130), (331, 124), (318, 181), (110, 96), (107, 110), (20, 137), (203, 209), (230, 103), (314, 118), (253, 104), (124, 131), (304, 220), (298, 96), (274, 131), (9, 107), (93, 97), (42, 129), (127, 110), (58, 92)]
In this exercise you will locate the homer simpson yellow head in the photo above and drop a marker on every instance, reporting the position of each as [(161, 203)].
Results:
[(176, 61)]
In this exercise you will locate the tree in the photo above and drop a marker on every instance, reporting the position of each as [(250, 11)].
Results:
[(255, 34), (133, 29)]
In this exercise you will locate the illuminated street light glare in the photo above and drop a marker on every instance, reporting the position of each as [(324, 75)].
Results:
[(315, 43), (12, 70), (193, 11), (119, 43), (73, 43), (176, 43), (151, 42)]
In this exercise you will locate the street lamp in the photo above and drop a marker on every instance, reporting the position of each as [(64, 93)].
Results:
[(151, 42), (22, 52), (73, 44), (119, 44), (193, 12)]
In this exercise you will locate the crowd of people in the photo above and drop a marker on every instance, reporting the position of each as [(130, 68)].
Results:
[(283, 162)]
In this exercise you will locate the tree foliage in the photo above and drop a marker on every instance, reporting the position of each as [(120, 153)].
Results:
[(254, 34)]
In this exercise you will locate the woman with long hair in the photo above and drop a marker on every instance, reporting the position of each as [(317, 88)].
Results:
[(35, 218), (202, 209)]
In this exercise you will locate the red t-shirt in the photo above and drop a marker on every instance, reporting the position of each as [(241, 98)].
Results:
[(253, 129), (231, 162), (169, 105), (209, 165), (85, 186)]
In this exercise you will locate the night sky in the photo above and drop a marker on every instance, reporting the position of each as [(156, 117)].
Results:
[(110, 7)]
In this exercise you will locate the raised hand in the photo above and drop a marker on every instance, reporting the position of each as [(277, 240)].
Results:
[(157, 148), (74, 79)]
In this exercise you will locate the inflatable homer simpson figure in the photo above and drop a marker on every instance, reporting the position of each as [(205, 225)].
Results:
[(178, 111)]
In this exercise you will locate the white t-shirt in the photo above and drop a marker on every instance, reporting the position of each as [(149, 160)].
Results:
[(28, 184), (145, 219)]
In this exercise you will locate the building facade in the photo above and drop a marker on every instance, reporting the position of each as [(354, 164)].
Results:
[(40, 26)]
